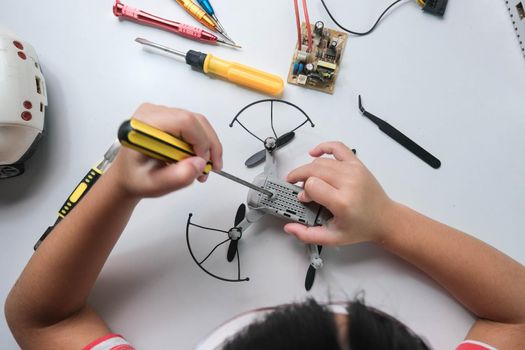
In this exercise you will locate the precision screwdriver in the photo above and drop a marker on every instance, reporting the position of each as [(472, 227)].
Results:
[(160, 145), (234, 72), (206, 6), (201, 16), (125, 11)]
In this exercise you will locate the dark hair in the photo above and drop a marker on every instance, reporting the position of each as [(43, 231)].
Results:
[(310, 325), (370, 328), (303, 326)]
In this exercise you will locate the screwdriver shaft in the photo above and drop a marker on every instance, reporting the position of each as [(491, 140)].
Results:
[(243, 182), (160, 47)]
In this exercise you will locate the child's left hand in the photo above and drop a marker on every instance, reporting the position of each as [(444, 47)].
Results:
[(139, 176)]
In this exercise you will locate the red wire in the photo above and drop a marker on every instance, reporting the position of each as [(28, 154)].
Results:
[(298, 23), (308, 26)]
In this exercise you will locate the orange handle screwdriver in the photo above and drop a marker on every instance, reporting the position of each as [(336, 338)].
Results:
[(198, 13), (201, 16)]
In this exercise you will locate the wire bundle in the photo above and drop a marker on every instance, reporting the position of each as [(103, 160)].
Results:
[(298, 23)]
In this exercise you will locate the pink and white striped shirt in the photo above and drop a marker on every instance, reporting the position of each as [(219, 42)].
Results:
[(109, 342), (117, 342)]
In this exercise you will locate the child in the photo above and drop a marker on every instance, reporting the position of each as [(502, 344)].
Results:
[(47, 307)]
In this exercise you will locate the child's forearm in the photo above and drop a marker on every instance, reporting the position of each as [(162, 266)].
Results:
[(486, 281), (59, 276)]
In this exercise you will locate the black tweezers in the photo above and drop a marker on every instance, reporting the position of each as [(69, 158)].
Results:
[(400, 138)]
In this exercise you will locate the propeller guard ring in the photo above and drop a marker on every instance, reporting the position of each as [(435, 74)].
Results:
[(200, 264)]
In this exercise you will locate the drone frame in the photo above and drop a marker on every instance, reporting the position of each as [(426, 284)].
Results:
[(244, 219)]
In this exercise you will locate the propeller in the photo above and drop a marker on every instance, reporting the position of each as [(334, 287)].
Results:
[(260, 156), (310, 274), (239, 217), (241, 214)]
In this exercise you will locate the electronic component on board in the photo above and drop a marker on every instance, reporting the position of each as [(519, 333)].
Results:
[(317, 68), (319, 28), (434, 7)]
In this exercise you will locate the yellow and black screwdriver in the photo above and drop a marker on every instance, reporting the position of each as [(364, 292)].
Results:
[(236, 73), (160, 145), (148, 140), (83, 187)]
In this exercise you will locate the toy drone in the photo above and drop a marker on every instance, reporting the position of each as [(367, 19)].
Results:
[(283, 203)]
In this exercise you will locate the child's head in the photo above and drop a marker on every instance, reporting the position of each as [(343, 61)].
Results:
[(310, 325)]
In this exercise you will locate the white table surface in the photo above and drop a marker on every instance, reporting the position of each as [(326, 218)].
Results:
[(454, 85)]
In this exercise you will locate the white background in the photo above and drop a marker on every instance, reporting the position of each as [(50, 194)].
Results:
[(455, 85)]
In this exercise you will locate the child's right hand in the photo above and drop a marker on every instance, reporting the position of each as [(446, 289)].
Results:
[(139, 176), (351, 193)]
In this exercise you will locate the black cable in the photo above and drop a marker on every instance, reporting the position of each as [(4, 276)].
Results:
[(360, 33)]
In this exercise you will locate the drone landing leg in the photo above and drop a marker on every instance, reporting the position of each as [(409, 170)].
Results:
[(315, 263)]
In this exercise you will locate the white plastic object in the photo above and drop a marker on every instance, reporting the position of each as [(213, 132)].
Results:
[(23, 100)]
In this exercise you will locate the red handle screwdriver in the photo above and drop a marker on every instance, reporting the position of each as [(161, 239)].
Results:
[(125, 11)]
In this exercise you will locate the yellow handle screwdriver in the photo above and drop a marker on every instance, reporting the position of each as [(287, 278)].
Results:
[(157, 144), (234, 72)]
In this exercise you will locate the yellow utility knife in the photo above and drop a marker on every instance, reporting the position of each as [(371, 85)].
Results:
[(82, 188)]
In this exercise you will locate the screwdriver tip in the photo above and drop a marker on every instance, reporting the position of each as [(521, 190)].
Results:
[(142, 41), (232, 44), (225, 35)]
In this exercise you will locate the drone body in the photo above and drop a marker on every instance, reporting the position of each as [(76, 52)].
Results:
[(284, 203)]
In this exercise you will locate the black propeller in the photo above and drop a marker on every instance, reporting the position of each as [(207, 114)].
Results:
[(239, 217), (260, 156), (241, 214), (310, 274)]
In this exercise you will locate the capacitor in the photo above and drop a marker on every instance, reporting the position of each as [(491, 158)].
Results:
[(295, 68), (318, 29), (309, 68), (301, 67), (333, 44)]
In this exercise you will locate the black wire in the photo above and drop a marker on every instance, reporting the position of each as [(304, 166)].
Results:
[(361, 33)]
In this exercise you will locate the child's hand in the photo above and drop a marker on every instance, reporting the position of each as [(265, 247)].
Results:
[(141, 176), (348, 189)]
